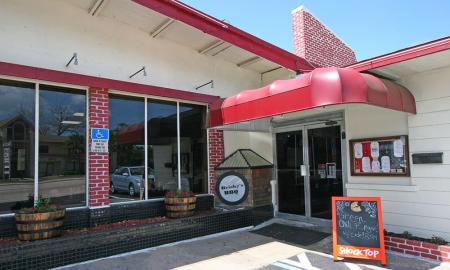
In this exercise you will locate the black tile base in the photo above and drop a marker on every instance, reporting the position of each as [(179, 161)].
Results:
[(84, 217), (55, 252)]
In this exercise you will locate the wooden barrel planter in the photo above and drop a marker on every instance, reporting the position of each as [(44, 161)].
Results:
[(35, 226), (180, 207)]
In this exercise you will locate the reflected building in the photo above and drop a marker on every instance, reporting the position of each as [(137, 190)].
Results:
[(16, 142)]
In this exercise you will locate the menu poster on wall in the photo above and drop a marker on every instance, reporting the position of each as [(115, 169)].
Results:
[(366, 165), (358, 150), (385, 164), (376, 166), (382, 156), (375, 149)]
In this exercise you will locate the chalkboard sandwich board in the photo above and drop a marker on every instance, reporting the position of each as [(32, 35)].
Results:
[(358, 228)]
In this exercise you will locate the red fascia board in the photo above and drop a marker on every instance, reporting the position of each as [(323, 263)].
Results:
[(403, 55), (226, 32), (35, 73)]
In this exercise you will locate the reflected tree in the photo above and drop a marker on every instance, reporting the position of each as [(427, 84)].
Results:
[(76, 149)]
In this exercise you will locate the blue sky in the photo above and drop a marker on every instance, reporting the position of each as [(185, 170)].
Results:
[(371, 28)]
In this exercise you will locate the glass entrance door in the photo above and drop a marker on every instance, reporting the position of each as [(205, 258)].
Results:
[(325, 169), (309, 193), (291, 184)]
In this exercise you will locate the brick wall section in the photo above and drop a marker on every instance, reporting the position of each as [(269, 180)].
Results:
[(215, 155), (316, 43), (98, 162), (417, 248)]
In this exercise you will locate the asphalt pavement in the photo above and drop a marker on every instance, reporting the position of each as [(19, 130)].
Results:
[(244, 249)]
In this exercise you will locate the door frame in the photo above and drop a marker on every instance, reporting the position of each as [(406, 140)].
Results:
[(307, 189)]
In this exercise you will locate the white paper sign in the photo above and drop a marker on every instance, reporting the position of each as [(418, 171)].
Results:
[(99, 146), (358, 150), (331, 170), (366, 164), (385, 164), (398, 148), (322, 171), (376, 166), (375, 149)]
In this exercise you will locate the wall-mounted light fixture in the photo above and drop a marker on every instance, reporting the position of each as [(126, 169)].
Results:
[(205, 84), (144, 72), (74, 59)]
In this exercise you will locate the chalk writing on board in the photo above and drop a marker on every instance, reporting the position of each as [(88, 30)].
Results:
[(357, 223), (371, 208), (358, 228)]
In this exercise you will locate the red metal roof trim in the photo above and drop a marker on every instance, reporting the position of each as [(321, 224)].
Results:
[(403, 55), (43, 74), (321, 87), (226, 32)]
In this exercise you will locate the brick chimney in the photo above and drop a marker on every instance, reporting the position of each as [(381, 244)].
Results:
[(314, 42)]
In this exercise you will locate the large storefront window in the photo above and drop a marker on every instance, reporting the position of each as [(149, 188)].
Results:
[(17, 112), (127, 148), (162, 147), (175, 132), (62, 145), (193, 162)]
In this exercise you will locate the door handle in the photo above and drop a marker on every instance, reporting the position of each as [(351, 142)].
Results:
[(303, 170)]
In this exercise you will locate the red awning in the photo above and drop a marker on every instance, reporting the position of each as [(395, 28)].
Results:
[(321, 87)]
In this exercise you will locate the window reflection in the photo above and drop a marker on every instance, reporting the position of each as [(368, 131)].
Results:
[(62, 145), (16, 144), (162, 146), (127, 148), (193, 147)]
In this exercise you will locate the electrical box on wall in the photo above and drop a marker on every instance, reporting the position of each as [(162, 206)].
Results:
[(427, 158)]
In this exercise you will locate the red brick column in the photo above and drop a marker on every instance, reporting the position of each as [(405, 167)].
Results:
[(316, 43), (215, 155), (98, 162)]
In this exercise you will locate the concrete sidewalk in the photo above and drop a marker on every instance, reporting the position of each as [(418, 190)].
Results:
[(245, 250)]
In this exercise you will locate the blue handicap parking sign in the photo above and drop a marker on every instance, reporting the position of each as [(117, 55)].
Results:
[(100, 134)]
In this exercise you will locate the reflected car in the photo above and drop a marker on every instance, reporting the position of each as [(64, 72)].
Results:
[(128, 179)]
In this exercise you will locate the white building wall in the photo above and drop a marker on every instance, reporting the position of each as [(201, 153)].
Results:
[(363, 121), (46, 33), (429, 131), (260, 142), (419, 204), (234, 140)]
